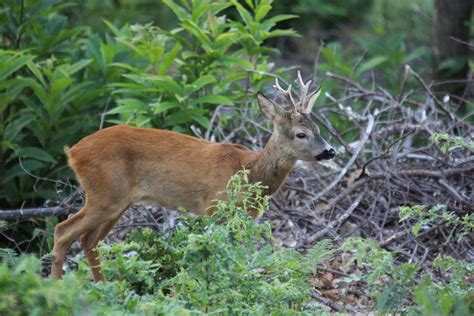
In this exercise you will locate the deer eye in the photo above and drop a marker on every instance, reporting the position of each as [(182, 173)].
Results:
[(301, 135)]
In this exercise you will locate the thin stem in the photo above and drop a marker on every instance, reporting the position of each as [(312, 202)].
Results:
[(22, 11)]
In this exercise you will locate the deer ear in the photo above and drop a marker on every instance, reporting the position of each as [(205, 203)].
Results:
[(311, 100), (270, 109)]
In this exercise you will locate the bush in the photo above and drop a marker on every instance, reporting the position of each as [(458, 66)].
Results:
[(208, 60), (24, 292), (226, 264), (405, 287), (211, 264)]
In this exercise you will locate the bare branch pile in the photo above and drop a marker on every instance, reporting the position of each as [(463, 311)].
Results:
[(387, 159)]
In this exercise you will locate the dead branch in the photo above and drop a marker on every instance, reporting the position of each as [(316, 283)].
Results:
[(37, 212)]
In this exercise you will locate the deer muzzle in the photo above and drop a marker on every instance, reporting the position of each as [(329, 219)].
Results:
[(326, 154)]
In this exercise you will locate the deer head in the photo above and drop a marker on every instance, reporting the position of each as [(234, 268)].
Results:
[(294, 131)]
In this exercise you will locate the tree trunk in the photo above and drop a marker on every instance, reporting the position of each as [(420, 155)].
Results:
[(450, 29)]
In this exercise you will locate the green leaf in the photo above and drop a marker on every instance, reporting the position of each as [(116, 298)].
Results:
[(417, 53), (164, 106), (279, 18), (213, 99), (12, 64), (111, 27), (198, 11), (13, 130), (155, 55), (203, 81), (416, 229), (128, 105), (178, 118), (370, 64), (140, 79), (93, 50), (177, 10), (278, 33), (131, 46), (166, 83), (215, 8), (126, 67), (244, 14), (169, 58), (77, 66), (262, 12), (19, 170), (35, 153), (238, 61), (201, 119), (197, 32), (37, 72), (227, 39), (5, 100)]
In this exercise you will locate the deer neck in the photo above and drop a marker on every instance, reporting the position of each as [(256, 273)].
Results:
[(272, 166)]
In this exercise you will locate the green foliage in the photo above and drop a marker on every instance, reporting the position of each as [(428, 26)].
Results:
[(395, 285), (460, 226), (45, 89), (217, 263), (223, 264), (203, 63), (451, 297), (450, 143), (382, 44), (212, 264), (24, 292)]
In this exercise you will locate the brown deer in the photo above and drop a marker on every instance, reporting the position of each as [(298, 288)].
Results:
[(121, 165)]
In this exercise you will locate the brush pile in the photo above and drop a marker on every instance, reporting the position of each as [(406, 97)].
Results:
[(395, 161)]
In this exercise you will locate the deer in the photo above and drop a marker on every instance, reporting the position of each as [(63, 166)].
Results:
[(121, 165)]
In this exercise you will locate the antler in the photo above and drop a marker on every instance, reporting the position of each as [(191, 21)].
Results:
[(287, 94), (303, 91), (306, 101)]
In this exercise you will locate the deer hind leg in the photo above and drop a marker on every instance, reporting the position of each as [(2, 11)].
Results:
[(89, 242), (89, 218)]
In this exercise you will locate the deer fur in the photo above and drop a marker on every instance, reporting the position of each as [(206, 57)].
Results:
[(122, 165)]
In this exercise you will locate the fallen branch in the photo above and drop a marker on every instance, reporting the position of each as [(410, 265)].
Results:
[(38, 212)]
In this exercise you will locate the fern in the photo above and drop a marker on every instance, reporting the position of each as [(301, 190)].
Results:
[(9, 256)]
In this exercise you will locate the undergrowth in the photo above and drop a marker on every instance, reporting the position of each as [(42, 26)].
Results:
[(226, 264)]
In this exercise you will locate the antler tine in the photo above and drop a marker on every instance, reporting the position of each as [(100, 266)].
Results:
[(303, 90), (287, 94)]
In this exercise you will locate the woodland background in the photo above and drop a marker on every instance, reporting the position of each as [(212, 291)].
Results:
[(387, 226)]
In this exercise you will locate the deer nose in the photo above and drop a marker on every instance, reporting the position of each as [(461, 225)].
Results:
[(326, 154)]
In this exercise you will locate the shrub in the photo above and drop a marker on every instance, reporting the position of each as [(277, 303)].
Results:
[(207, 61), (211, 264), (405, 287)]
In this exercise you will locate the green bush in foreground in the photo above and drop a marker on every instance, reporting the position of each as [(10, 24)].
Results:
[(24, 292), (224, 264), (220, 264)]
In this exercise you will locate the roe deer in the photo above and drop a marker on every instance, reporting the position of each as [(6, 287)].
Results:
[(121, 165)]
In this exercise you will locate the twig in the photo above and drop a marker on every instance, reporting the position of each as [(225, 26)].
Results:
[(385, 154), (337, 222), (326, 301), (430, 93), (365, 136), (470, 45)]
